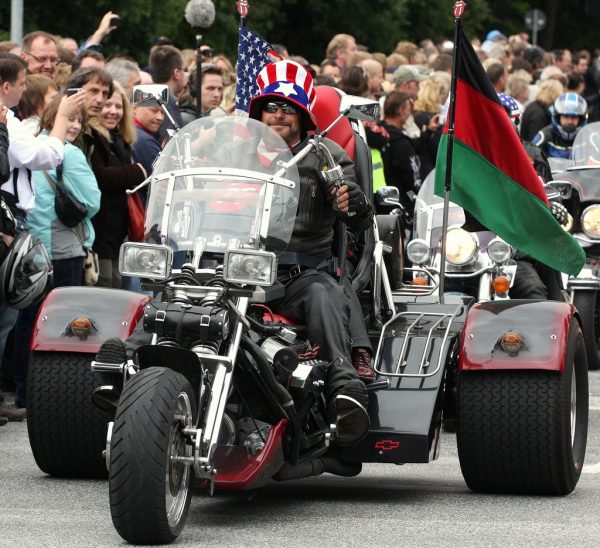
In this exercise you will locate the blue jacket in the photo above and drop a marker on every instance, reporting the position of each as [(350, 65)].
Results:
[(79, 180)]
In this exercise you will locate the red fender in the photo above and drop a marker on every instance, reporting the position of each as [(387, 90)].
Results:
[(543, 325), (107, 312)]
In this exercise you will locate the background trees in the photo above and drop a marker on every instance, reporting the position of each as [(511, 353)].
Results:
[(305, 26)]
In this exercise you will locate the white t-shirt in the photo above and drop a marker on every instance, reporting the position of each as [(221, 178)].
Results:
[(28, 152)]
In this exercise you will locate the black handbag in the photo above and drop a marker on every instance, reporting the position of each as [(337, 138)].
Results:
[(69, 210)]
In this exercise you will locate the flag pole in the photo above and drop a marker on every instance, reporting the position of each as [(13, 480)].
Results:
[(243, 7), (458, 9)]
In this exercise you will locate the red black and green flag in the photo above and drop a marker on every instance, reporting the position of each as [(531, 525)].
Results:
[(492, 176)]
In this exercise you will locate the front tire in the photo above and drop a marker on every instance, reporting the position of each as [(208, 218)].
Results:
[(67, 432), (525, 432), (150, 492), (589, 312)]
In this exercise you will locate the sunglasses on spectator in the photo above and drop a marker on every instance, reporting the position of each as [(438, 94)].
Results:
[(53, 60), (272, 107), (207, 52)]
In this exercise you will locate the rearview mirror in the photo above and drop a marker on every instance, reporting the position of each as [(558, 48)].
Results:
[(558, 189), (150, 95), (388, 195), (359, 108)]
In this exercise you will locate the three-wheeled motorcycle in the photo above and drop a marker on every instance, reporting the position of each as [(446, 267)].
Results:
[(223, 390)]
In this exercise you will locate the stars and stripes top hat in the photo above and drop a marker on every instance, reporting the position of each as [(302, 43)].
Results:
[(289, 81)]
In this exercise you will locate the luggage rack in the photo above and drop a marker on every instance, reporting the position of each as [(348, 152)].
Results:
[(413, 330)]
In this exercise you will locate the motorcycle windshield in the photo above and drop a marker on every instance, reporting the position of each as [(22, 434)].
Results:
[(429, 213), (219, 184), (586, 147)]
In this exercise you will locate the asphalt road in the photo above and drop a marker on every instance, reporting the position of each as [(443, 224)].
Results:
[(410, 505)]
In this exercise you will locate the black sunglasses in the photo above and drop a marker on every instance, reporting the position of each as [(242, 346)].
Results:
[(272, 106), (207, 52)]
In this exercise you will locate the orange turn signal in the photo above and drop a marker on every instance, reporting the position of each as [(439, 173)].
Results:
[(81, 327), (419, 280), (501, 284), (511, 342)]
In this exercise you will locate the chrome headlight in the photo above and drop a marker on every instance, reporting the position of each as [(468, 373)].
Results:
[(145, 260), (417, 251), (461, 246), (590, 221), (499, 251), (250, 267)]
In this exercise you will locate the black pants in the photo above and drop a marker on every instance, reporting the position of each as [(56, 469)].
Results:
[(528, 284), (316, 300)]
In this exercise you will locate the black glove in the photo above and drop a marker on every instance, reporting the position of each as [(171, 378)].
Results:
[(357, 202), (560, 213)]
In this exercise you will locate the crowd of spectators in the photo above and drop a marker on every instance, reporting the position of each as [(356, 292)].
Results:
[(101, 145)]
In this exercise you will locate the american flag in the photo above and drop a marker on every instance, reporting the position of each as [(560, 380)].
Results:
[(252, 57)]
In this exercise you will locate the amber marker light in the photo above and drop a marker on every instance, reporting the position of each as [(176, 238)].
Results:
[(419, 280), (81, 327), (501, 284), (511, 342)]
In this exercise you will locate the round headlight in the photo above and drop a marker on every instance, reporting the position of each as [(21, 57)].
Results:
[(499, 251), (461, 246), (590, 221), (417, 251)]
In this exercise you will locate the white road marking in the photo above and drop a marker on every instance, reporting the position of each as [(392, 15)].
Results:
[(591, 468)]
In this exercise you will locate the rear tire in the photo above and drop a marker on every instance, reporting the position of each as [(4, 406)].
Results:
[(150, 493), (525, 432), (67, 432), (589, 312)]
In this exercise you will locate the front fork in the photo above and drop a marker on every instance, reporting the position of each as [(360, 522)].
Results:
[(204, 434)]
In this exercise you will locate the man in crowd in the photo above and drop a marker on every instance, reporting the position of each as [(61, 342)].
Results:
[(211, 88), (167, 67), (147, 123), (340, 50), (126, 72), (40, 52)]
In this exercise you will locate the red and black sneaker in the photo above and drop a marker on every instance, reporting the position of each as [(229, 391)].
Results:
[(363, 363)]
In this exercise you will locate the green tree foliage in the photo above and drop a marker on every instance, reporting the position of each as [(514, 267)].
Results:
[(304, 26)]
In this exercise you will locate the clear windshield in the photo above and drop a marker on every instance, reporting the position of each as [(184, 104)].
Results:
[(429, 212), (216, 186), (586, 148)]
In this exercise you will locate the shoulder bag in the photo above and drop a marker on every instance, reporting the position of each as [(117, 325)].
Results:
[(69, 210)]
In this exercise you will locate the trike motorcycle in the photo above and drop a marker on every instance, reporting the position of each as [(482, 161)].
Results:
[(229, 393), (583, 172)]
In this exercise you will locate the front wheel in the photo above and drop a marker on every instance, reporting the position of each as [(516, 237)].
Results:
[(587, 304), (525, 432), (150, 490)]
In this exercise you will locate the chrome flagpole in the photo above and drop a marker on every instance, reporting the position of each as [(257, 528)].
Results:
[(459, 8)]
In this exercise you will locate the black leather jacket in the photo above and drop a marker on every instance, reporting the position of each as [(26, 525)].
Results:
[(313, 230), (4, 164)]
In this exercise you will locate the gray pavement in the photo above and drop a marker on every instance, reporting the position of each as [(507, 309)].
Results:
[(410, 505)]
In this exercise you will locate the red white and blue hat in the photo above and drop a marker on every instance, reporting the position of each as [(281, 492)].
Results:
[(289, 81)]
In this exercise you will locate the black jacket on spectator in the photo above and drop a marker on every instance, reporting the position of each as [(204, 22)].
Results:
[(111, 163), (535, 117)]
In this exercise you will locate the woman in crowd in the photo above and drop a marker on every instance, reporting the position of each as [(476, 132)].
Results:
[(40, 91), (65, 245), (113, 134), (537, 113)]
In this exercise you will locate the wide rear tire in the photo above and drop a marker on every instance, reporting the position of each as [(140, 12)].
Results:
[(587, 304), (525, 432), (67, 432), (150, 493)]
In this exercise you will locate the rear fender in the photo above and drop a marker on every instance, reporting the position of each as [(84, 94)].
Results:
[(543, 325), (111, 313)]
